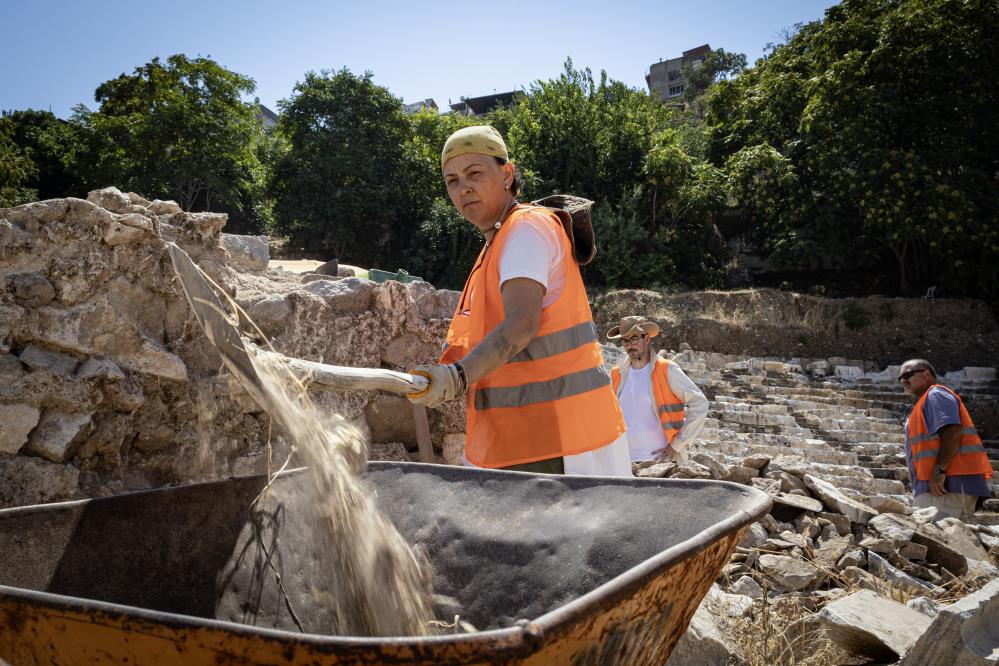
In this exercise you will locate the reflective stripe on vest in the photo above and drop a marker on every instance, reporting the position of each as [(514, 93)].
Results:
[(557, 343), (543, 391), (552, 398), (924, 447)]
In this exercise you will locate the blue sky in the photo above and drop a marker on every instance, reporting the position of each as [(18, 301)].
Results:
[(54, 54)]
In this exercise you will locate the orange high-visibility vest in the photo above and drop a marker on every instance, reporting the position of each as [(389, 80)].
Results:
[(553, 398), (671, 409), (925, 446)]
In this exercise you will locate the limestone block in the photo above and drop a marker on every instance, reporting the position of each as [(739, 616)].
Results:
[(38, 358), (769, 486), (965, 633), (837, 501), (862, 579), (346, 296), (137, 199), (831, 550), (705, 642), (247, 253), (789, 573), (869, 625), (271, 315), (717, 470), (453, 448), (980, 374), (940, 549), (16, 421), (409, 350), (881, 567), (733, 605), (740, 474), (888, 504), (883, 546), (657, 471), (157, 207), (110, 198), (789, 505), (925, 515), (103, 368), (691, 470), (390, 419), (912, 551), (954, 378), (848, 373), (841, 522), (775, 367), (960, 537), (205, 226), (852, 558), (818, 368), (756, 461), (29, 480), (123, 234), (10, 369), (32, 289), (748, 587), (58, 434), (754, 537), (925, 605), (387, 451), (894, 527)]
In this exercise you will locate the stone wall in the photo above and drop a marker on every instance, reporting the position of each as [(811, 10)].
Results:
[(951, 333), (107, 383)]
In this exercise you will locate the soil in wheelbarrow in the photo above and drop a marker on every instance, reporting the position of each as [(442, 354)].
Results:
[(502, 546)]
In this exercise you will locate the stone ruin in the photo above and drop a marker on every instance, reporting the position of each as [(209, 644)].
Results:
[(107, 384)]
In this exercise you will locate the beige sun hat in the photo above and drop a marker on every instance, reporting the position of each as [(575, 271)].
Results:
[(482, 139), (632, 325)]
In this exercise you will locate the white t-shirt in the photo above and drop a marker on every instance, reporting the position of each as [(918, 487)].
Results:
[(533, 250), (645, 432)]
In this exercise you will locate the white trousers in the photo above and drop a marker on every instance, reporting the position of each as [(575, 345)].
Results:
[(610, 460)]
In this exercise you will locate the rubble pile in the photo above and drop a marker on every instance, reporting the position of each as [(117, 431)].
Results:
[(107, 384), (871, 578)]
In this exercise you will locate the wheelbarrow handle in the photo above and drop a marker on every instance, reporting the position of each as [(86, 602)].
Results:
[(342, 378)]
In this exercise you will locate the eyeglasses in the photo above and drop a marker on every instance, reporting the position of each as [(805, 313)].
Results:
[(905, 375), (632, 341)]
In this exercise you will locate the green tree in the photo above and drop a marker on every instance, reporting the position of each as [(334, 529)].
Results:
[(16, 169), (887, 113), (47, 142), (716, 65), (343, 186), (175, 130)]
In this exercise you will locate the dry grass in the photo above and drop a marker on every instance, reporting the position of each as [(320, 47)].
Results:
[(777, 634)]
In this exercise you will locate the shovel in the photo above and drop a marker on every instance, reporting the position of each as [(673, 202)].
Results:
[(223, 334)]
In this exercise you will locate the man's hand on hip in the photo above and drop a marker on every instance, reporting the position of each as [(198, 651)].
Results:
[(445, 384), (937, 484)]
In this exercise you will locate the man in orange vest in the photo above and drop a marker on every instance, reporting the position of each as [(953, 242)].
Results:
[(662, 408), (948, 466), (521, 346)]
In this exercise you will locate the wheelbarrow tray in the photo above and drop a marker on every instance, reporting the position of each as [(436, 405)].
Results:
[(553, 569)]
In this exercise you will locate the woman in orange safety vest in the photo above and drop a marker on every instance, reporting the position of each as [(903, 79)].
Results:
[(522, 346)]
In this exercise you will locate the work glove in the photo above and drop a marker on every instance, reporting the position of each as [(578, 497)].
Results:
[(446, 383)]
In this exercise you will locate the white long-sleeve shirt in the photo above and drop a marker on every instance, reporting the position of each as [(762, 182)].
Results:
[(694, 415)]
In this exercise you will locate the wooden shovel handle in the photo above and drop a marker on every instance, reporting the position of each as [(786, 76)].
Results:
[(343, 378)]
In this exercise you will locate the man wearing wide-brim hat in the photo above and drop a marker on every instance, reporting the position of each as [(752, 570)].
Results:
[(663, 409)]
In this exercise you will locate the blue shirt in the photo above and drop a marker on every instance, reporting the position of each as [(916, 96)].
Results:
[(939, 410)]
